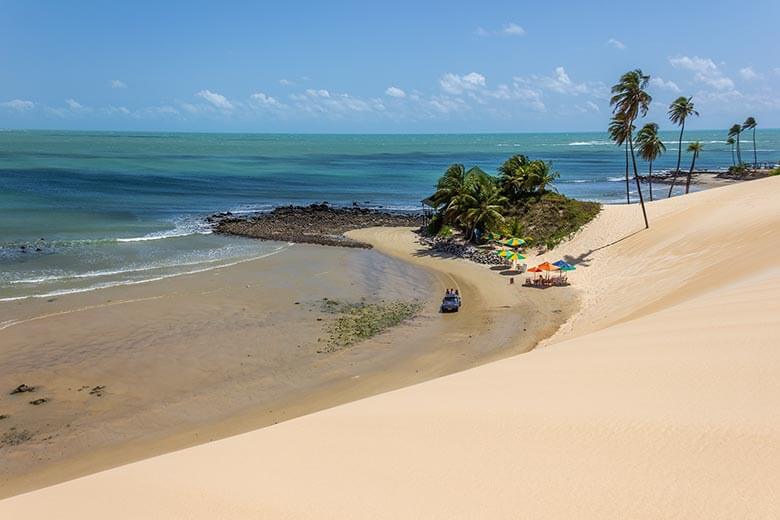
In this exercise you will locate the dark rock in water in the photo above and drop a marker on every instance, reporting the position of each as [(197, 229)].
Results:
[(3, 416), (22, 388), (39, 401), (315, 224)]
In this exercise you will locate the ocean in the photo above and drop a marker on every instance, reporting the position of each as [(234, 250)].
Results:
[(84, 210)]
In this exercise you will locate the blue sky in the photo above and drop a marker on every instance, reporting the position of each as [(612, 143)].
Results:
[(360, 66)]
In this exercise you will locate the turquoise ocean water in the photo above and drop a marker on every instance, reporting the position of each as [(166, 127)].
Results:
[(116, 208)]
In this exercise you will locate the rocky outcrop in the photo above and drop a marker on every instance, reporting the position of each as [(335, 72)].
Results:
[(450, 247), (314, 224)]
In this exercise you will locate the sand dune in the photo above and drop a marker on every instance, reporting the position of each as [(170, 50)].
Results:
[(658, 400)]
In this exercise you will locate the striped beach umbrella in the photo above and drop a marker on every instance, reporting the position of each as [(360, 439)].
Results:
[(513, 242)]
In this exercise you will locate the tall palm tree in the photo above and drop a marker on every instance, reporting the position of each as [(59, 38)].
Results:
[(619, 130), (650, 147), (695, 147), (730, 141), (630, 99), (734, 131), (750, 124), (680, 109)]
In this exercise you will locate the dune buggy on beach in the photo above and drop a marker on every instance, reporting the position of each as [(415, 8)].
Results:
[(450, 303)]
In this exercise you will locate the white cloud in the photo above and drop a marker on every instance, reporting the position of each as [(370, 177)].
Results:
[(749, 74), (559, 82), (286, 82), (512, 29), (616, 44), (395, 92), (455, 84), (509, 29), (73, 104), (218, 100), (116, 83), (263, 99), (593, 106), (18, 105), (317, 93), (664, 84), (706, 71)]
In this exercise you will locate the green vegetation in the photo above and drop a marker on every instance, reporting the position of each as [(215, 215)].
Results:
[(774, 172), (360, 321), (518, 202), (14, 437)]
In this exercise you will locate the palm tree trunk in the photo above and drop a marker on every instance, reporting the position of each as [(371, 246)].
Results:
[(650, 179), (628, 197), (679, 157), (755, 157), (733, 159), (690, 173), (638, 185), (739, 153)]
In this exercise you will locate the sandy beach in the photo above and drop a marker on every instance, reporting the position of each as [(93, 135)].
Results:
[(135, 371), (656, 400)]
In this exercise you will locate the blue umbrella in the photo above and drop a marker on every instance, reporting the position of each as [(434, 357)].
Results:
[(564, 266)]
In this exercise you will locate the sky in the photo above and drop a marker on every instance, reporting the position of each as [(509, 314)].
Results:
[(364, 66)]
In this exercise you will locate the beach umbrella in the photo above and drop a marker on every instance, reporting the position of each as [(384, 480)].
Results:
[(547, 266), (534, 270), (564, 266), (514, 256), (513, 242)]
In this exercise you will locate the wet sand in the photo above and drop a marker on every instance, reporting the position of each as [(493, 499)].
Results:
[(200, 357)]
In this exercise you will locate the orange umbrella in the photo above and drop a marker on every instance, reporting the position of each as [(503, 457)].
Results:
[(534, 270), (547, 266)]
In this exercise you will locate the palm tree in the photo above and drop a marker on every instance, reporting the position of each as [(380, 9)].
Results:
[(482, 205), (730, 141), (750, 124), (513, 176), (734, 131), (450, 184), (650, 147), (695, 147), (619, 130), (679, 110), (630, 99), (540, 176)]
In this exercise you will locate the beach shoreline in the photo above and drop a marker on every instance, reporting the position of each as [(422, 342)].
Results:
[(147, 348)]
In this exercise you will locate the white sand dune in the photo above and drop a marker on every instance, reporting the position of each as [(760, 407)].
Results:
[(661, 399)]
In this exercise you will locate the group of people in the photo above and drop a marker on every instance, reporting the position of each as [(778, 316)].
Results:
[(452, 292)]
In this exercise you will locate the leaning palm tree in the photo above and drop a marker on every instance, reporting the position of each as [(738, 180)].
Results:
[(750, 124), (695, 147), (679, 110), (730, 141), (734, 131), (619, 130), (650, 147), (450, 185), (630, 99)]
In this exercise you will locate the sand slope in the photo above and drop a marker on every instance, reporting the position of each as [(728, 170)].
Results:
[(660, 400)]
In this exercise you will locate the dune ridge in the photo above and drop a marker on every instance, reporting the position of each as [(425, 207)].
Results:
[(657, 400)]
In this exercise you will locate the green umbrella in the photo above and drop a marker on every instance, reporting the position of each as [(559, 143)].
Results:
[(513, 242)]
